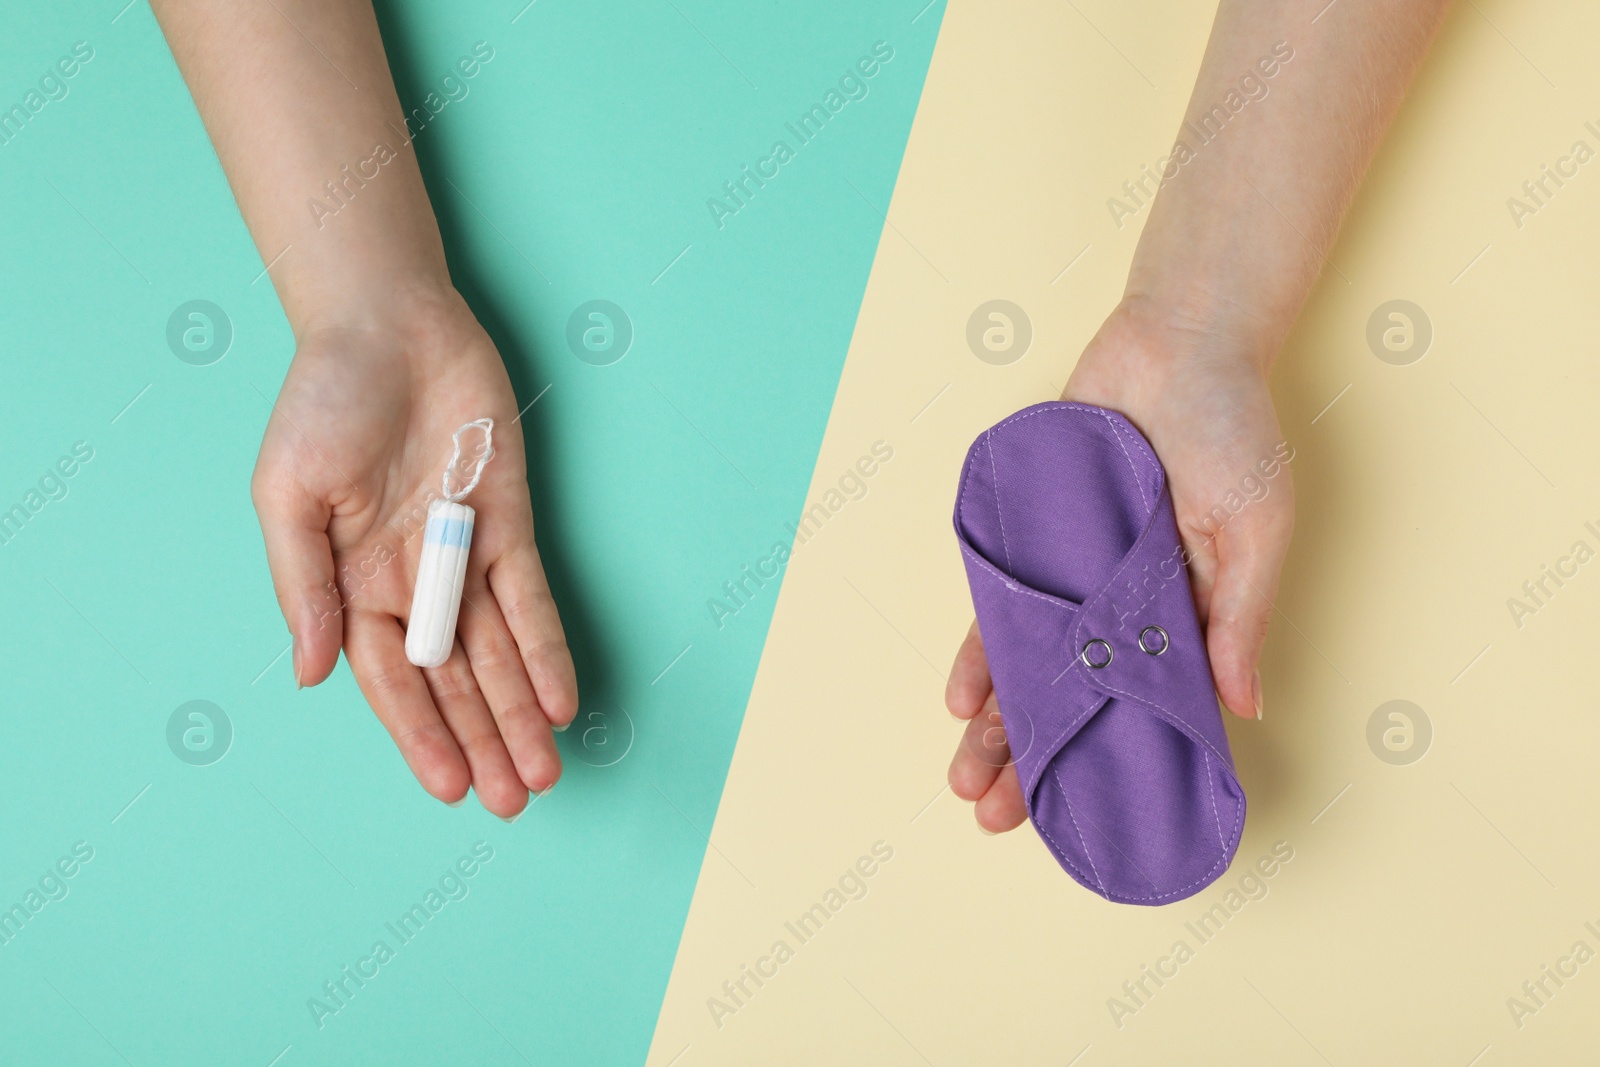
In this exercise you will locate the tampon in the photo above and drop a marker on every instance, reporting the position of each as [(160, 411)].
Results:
[(436, 604), (442, 571)]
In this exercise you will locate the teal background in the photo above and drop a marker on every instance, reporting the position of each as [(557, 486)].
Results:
[(225, 895)]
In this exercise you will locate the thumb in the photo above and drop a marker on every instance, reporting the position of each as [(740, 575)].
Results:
[(1250, 554), (294, 525)]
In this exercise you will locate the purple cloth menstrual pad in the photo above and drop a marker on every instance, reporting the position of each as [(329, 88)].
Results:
[(1066, 526)]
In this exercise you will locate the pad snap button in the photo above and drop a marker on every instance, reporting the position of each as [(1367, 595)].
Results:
[(1145, 641), (1089, 661)]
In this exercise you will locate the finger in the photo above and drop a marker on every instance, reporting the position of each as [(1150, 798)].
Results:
[(519, 586), (1002, 807), (969, 685), (983, 751), (1250, 553), (294, 525), (497, 665), (376, 647), (460, 702), (1200, 557)]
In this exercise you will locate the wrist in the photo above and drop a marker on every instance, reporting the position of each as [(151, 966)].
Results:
[(1219, 281), (1164, 365), (392, 303), (421, 323), (1195, 322), (364, 288), (381, 247)]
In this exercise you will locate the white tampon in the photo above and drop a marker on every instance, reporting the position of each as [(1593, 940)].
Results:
[(437, 601), (446, 540)]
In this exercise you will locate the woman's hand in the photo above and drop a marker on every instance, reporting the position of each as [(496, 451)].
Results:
[(390, 363), (1241, 228), (1200, 396), (357, 441)]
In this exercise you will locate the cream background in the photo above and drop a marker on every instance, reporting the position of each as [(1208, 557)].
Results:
[(1422, 899)]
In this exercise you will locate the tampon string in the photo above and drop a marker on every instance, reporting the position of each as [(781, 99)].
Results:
[(456, 496), (442, 570)]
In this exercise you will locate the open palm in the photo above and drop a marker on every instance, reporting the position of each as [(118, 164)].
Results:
[(1208, 414), (354, 450)]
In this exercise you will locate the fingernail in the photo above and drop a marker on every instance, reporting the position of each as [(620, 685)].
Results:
[(985, 831), (1255, 690), (456, 803), (562, 728), (512, 818), (295, 660)]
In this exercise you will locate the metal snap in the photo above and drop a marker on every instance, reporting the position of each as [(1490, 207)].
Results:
[(1144, 645), (1084, 655)]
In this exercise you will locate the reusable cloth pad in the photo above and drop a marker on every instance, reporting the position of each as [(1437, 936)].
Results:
[(1105, 691)]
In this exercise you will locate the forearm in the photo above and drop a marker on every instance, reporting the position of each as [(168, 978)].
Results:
[(300, 105), (1285, 117)]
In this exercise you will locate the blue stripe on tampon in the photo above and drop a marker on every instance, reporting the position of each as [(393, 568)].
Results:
[(449, 532)]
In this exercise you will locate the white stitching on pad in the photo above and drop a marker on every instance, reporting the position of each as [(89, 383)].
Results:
[(1055, 408), (1061, 854), (1019, 587), (1171, 894), (961, 507), (1211, 791), (1211, 784), (1165, 715), (1139, 481), (1206, 751), (1079, 831), (1015, 586), (1069, 405), (988, 439), (1110, 841)]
